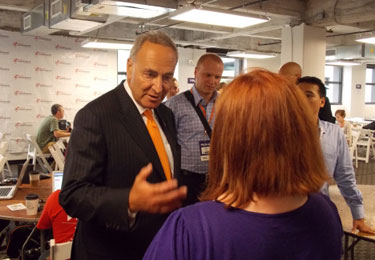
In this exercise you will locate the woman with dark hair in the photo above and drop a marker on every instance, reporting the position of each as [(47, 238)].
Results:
[(266, 169)]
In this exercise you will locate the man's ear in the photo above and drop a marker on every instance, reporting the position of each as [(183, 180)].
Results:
[(322, 101), (129, 69), (195, 72)]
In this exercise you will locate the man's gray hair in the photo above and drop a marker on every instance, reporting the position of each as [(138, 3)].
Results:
[(157, 37)]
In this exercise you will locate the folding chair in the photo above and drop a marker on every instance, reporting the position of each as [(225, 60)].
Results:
[(36, 154), (3, 160), (353, 147), (3, 149), (57, 156), (60, 251), (365, 140)]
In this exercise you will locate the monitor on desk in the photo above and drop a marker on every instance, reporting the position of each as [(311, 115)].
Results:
[(57, 178)]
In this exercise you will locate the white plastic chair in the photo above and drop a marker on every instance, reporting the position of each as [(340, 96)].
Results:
[(36, 154), (3, 149), (60, 251), (57, 156), (365, 140), (3, 161), (353, 148)]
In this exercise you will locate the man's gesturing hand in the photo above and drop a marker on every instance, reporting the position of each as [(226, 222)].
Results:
[(160, 197)]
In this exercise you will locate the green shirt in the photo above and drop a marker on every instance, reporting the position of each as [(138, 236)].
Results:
[(45, 131)]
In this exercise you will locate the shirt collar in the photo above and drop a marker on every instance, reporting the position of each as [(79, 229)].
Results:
[(130, 93), (198, 98), (322, 130)]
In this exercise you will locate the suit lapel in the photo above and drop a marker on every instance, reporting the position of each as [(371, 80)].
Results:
[(136, 128)]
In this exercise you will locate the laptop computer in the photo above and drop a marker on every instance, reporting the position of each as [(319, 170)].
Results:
[(9, 191), (57, 178)]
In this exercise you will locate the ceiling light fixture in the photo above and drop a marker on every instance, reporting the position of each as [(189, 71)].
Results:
[(106, 44), (251, 55), (370, 40), (217, 17), (343, 63)]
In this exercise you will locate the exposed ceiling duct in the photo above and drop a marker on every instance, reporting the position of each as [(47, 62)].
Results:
[(109, 20), (36, 22), (359, 53), (126, 9), (70, 15)]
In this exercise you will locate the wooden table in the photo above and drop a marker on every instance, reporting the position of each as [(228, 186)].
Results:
[(43, 190), (368, 193)]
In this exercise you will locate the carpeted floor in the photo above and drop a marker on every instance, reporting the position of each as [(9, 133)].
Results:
[(365, 174)]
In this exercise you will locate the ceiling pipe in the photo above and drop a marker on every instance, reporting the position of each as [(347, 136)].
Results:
[(352, 33)]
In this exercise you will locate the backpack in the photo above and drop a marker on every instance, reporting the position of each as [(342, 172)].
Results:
[(18, 237)]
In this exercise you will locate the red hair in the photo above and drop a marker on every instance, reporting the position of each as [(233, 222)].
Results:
[(265, 141)]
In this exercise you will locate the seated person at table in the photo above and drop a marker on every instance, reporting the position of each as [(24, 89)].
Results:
[(262, 200), (54, 216), (49, 130), (345, 125)]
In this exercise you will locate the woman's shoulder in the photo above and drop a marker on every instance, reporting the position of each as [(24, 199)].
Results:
[(323, 202), (199, 211), (202, 207)]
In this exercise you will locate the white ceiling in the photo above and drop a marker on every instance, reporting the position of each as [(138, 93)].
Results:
[(343, 20)]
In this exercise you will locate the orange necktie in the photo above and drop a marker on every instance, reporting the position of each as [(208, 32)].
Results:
[(154, 132)]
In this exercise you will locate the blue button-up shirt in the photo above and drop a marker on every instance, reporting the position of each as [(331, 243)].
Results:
[(340, 167), (190, 130)]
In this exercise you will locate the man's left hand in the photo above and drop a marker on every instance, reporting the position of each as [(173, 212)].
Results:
[(362, 227)]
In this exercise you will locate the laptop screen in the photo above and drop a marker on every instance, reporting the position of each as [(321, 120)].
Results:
[(57, 178)]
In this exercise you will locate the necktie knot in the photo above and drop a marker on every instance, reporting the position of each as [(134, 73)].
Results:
[(150, 118), (148, 114)]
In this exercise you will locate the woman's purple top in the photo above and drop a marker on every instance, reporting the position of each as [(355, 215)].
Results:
[(208, 230)]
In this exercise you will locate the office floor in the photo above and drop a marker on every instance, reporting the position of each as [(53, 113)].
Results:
[(365, 174)]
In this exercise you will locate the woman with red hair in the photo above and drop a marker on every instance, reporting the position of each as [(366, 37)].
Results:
[(266, 168)]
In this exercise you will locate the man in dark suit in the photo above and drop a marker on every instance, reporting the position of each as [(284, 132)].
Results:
[(115, 180)]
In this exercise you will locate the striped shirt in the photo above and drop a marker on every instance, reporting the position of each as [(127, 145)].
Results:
[(190, 130)]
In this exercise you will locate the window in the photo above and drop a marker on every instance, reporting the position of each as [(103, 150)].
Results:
[(232, 68), (333, 81), (370, 84)]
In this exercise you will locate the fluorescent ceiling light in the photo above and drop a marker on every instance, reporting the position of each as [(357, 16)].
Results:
[(370, 40), (216, 17), (129, 9), (343, 63), (105, 44), (250, 55)]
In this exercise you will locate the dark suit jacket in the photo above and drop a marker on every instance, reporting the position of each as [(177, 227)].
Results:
[(108, 147)]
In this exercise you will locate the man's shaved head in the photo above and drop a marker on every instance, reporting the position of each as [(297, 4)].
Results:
[(291, 70)]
